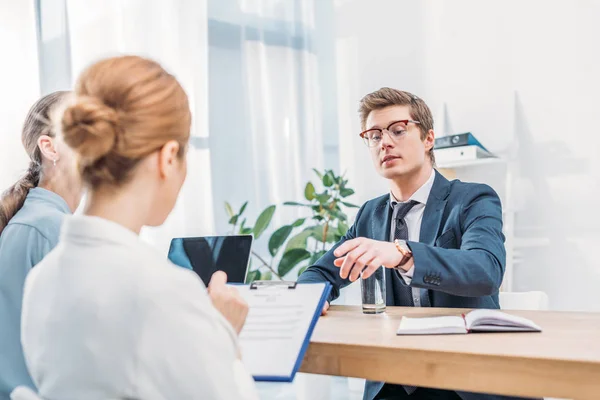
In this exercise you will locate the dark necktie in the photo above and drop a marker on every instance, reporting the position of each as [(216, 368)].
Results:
[(403, 293)]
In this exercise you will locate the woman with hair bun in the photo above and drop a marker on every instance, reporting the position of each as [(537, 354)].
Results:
[(31, 213), (106, 316)]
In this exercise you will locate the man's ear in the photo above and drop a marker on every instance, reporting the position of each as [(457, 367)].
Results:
[(168, 159), (429, 140), (47, 150)]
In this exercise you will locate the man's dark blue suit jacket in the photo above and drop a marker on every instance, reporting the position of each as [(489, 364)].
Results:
[(459, 259)]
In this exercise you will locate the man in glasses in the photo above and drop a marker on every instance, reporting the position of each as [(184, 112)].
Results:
[(440, 241)]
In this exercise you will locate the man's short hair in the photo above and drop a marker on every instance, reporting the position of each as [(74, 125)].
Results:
[(385, 97)]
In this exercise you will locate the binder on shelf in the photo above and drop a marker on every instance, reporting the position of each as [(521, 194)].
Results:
[(281, 319), (460, 139), (459, 154)]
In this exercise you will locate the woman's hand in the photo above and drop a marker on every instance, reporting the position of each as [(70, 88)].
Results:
[(228, 301)]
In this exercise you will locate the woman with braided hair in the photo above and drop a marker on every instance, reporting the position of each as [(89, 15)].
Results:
[(31, 213)]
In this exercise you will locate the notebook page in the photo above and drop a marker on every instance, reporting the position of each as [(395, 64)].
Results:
[(431, 325), (277, 324), (496, 320)]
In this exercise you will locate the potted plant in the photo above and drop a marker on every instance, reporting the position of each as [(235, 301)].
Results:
[(301, 243)]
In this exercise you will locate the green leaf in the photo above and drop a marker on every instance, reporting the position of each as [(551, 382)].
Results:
[(253, 276), (331, 176), (293, 203), (342, 228), (345, 192), (301, 270), (327, 180), (266, 276), (263, 221), (243, 208), (338, 215), (245, 231), (299, 241), (229, 210), (316, 256), (309, 191), (318, 218), (278, 238), (299, 222), (323, 197), (233, 220), (317, 233), (290, 259), (337, 179), (350, 205), (320, 175)]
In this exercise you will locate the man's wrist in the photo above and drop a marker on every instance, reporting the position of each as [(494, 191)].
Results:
[(406, 260), (407, 266)]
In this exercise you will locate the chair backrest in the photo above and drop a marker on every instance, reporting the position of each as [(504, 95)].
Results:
[(24, 393), (523, 300)]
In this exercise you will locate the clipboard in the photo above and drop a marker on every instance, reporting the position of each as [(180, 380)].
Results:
[(280, 323)]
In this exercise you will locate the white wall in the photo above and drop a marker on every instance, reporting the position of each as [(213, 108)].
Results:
[(522, 76), (19, 83)]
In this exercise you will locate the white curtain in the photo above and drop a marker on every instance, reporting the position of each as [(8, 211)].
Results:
[(266, 125), (173, 33), (19, 82)]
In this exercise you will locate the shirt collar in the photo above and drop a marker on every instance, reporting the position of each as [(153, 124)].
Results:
[(421, 195), (49, 197), (96, 229)]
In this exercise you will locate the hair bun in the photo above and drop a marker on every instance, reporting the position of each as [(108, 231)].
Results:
[(90, 127)]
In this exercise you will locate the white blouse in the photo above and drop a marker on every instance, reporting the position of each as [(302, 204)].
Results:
[(107, 317)]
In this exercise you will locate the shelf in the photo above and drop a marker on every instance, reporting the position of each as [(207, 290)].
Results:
[(470, 163)]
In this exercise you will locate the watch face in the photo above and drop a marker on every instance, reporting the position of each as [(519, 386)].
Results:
[(402, 247), (405, 247)]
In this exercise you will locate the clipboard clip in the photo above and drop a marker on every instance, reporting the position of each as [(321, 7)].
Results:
[(272, 284)]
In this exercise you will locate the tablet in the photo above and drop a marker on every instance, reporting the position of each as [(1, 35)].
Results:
[(208, 254)]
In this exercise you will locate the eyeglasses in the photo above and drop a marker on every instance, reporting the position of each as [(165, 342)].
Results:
[(397, 129)]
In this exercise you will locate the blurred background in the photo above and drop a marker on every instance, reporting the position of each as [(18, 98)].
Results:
[(275, 84)]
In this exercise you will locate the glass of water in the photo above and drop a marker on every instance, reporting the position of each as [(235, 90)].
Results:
[(373, 292)]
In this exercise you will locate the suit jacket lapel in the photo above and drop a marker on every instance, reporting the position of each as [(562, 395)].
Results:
[(434, 210), (432, 219), (382, 219), (380, 227)]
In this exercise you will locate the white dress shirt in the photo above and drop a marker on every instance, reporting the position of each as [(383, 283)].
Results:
[(107, 317), (413, 219)]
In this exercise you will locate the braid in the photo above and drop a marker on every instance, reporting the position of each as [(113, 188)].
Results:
[(13, 198)]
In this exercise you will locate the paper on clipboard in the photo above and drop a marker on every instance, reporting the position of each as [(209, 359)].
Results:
[(280, 321)]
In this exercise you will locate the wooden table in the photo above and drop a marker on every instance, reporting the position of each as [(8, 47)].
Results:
[(563, 361)]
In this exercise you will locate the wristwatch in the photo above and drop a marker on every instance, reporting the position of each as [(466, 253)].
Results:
[(405, 250)]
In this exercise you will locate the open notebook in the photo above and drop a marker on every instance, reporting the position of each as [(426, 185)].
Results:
[(474, 321)]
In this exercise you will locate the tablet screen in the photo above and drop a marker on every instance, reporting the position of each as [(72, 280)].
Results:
[(208, 254)]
